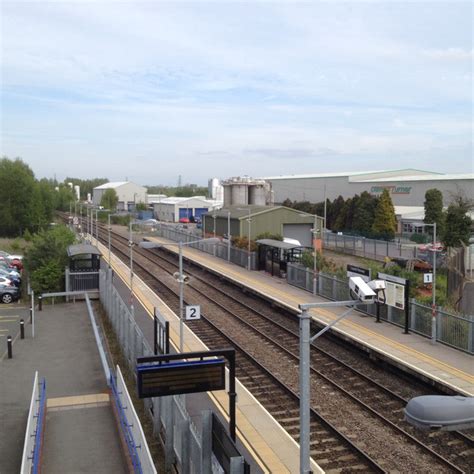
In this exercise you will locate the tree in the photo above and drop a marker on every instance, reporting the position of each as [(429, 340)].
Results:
[(458, 224), (17, 183), (385, 221), (364, 214), (109, 199), (333, 212), (434, 209), (46, 258)]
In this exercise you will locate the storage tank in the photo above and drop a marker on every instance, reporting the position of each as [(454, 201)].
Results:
[(227, 195), (257, 195), (240, 195)]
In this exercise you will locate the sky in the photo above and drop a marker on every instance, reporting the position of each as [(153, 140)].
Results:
[(151, 90)]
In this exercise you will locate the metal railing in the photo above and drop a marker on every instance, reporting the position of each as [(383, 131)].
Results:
[(452, 329), (34, 429), (140, 456), (221, 250), (183, 442)]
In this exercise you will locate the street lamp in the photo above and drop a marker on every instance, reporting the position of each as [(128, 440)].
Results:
[(180, 277), (433, 287), (249, 221)]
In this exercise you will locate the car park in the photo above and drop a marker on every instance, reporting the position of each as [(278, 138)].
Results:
[(9, 294), (16, 280), (10, 270)]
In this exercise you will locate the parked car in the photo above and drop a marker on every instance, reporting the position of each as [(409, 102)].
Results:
[(9, 294), (4, 281), (437, 247), (16, 280), (17, 263), (184, 220), (9, 269)]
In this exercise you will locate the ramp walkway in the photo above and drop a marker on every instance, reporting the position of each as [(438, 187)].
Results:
[(81, 434)]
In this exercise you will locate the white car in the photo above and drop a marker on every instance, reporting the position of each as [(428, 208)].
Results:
[(5, 281)]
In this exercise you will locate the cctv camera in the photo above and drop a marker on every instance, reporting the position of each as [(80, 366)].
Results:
[(377, 285), (361, 290)]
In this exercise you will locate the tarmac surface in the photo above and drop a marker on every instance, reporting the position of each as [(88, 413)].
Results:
[(81, 434)]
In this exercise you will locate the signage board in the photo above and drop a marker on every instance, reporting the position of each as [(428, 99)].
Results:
[(193, 312), (364, 273), (75, 221), (427, 278), (395, 290), (176, 377)]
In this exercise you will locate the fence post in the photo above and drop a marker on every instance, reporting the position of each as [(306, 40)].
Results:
[(334, 287), (169, 428), (470, 337), (68, 283), (206, 440), (237, 465), (363, 240), (185, 452), (439, 325), (413, 314)]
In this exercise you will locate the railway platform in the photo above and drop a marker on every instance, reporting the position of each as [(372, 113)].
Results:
[(81, 434), (265, 443), (438, 364)]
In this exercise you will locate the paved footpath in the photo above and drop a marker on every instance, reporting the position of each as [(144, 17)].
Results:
[(81, 434)]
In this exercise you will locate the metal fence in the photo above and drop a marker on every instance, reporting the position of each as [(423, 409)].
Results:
[(221, 250), (185, 446), (30, 463), (131, 427), (369, 248), (451, 329), (81, 281)]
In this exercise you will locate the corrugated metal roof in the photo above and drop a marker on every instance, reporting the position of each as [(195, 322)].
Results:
[(277, 244), (111, 185), (82, 249), (358, 175), (238, 212), (432, 177)]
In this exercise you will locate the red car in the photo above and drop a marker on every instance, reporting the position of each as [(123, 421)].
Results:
[(184, 220), (17, 263)]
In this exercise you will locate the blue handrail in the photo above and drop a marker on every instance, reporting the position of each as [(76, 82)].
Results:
[(127, 432), (39, 428)]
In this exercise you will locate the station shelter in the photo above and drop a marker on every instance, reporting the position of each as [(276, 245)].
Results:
[(82, 273), (274, 255)]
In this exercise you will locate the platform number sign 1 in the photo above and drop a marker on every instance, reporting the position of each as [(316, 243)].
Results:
[(427, 278), (193, 312)]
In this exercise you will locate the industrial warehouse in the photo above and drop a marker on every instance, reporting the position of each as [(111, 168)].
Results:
[(407, 187)]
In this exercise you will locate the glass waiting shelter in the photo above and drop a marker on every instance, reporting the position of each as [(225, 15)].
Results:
[(274, 255)]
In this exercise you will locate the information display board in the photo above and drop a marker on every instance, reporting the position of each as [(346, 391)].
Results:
[(172, 378), (395, 292)]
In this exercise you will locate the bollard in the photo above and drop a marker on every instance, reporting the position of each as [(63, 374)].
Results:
[(40, 303), (22, 329), (9, 347)]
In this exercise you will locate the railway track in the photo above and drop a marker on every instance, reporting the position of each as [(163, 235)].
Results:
[(370, 411)]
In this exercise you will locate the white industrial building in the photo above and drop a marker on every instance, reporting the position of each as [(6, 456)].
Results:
[(172, 209), (407, 187), (129, 194)]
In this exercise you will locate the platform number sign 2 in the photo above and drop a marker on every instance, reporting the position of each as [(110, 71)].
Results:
[(193, 312)]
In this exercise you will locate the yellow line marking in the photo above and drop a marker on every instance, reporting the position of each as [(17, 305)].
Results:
[(78, 400), (9, 316), (271, 291), (7, 320)]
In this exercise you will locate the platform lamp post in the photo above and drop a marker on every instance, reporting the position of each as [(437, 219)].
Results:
[(433, 305), (305, 371), (180, 277)]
